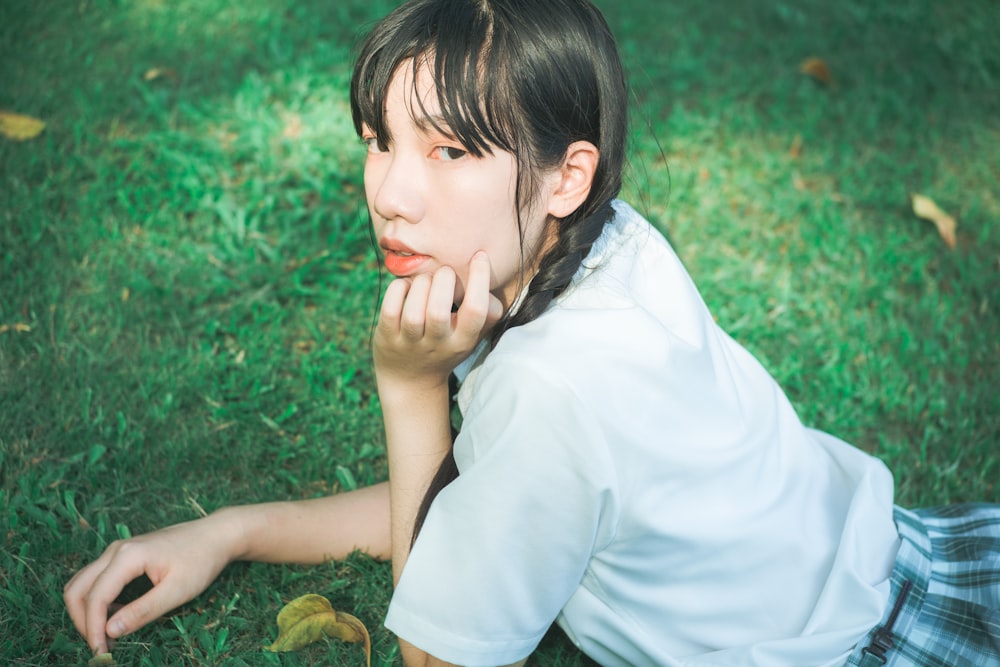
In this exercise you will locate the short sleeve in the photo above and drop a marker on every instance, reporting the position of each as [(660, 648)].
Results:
[(507, 543)]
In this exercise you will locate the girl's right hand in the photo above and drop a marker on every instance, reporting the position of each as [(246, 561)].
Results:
[(181, 561), (418, 339)]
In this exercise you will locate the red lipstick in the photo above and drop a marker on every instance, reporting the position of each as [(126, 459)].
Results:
[(401, 260)]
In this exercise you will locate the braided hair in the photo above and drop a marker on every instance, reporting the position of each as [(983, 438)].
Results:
[(527, 77)]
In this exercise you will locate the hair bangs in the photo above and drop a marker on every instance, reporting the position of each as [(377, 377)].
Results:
[(471, 108)]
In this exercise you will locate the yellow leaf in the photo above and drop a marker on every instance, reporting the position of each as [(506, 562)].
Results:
[(817, 69), (309, 618), (795, 150), (102, 660), (19, 327), (799, 183), (19, 127), (293, 126), (158, 73), (924, 207)]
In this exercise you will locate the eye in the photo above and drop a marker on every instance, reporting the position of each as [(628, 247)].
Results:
[(450, 153), (373, 146)]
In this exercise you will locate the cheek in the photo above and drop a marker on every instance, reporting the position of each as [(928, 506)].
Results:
[(370, 184)]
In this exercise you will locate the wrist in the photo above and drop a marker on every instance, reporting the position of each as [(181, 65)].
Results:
[(425, 389), (232, 528)]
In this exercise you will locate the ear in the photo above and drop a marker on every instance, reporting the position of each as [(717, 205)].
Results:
[(573, 179)]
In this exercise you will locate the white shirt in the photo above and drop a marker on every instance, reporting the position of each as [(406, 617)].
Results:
[(631, 472)]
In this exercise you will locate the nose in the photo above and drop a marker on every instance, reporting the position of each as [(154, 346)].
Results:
[(397, 187)]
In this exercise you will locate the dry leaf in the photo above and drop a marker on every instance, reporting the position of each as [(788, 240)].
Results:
[(102, 660), (795, 150), (19, 327), (309, 618), (158, 73), (304, 346), (19, 127), (799, 183), (817, 69), (924, 207), (293, 126)]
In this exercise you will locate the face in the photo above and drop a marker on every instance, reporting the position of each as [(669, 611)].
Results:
[(432, 204)]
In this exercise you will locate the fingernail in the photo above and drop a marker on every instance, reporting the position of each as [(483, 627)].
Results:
[(116, 628)]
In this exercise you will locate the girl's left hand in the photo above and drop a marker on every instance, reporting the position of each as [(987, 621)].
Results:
[(418, 340)]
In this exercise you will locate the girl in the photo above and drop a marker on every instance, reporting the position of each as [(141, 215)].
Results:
[(624, 468)]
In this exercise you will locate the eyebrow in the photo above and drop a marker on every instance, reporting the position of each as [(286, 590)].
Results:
[(433, 123)]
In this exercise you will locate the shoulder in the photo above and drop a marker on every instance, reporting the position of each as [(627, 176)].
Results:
[(632, 307), (634, 276), (534, 429), (532, 399)]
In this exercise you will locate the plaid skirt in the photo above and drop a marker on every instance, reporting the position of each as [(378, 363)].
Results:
[(944, 608)]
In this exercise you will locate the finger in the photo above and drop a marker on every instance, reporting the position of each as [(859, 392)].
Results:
[(77, 592), (392, 306), (439, 303), (158, 601), (106, 587), (478, 305), (411, 324), (76, 589)]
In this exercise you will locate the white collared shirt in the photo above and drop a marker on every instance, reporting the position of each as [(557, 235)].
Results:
[(631, 472)]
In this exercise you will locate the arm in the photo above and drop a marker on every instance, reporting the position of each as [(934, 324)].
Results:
[(313, 531), (418, 343), (184, 559), (508, 543)]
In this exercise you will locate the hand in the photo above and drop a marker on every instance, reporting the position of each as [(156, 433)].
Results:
[(419, 340), (181, 561)]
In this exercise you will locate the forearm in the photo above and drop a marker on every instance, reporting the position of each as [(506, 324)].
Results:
[(418, 437), (310, 531), (419, 340)]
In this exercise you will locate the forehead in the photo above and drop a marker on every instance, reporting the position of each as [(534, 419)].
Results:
[(412, 90), (437, 97)]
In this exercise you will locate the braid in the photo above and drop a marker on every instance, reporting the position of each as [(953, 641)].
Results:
[(575, 237)]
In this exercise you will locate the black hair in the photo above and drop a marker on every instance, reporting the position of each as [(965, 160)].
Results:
[(528, 77)]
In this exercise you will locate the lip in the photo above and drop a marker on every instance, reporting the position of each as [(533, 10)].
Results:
[(400, 259)]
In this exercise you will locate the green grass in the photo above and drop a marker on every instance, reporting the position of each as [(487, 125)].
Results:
[(190, 256)]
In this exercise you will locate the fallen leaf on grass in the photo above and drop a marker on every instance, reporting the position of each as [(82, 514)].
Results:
[(304, 346), (795, 150), (17, 326), (293, 126), (309, 618), (799, 183), (19, 127), (924, 207), (817, 69), (158, 73)]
